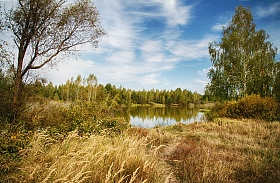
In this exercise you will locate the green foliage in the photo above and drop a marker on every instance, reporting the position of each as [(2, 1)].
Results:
[(12, 140), (87, 89), (6, 90), (85, 117), (277, 84), (243, 62), (215, 111), (252, 106)]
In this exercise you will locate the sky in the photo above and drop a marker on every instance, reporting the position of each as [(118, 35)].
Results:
[(161, 44)]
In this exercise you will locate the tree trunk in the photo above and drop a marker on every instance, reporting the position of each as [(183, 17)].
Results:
[(16, 100), (18, 88)]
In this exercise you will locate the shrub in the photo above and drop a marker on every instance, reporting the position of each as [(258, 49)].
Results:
[(12, 140), (252, 106), (6, 96), (215, 112), (86, 117)]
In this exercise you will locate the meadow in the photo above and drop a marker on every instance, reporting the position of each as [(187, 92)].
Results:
[(224, 150)]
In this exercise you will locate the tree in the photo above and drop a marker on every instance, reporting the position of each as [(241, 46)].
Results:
[(277, 86), (44, 29), (77, 85), (92, 84), (243, 63)]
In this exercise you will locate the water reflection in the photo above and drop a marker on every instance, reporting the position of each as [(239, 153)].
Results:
[(149, 117)]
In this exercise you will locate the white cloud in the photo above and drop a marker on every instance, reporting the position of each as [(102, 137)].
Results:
[(201, 81), (172, 11), (151, 46), (152, 51), (121, 57), (71, 68), (222, 21), (203, 72), (129, 56), (121, 20), (175, 13), (270, 10), (150, 79), (192, 49), (218, 26), (119, 26)]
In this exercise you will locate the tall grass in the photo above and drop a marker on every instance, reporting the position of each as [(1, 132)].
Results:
[(224, 150), (97, 158)]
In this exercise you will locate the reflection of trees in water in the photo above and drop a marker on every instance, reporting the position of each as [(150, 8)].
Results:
[(174, 113)]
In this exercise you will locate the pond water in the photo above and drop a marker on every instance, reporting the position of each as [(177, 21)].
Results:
[(149, 117)]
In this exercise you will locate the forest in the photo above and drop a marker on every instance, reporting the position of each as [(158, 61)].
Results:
[(89, 90)]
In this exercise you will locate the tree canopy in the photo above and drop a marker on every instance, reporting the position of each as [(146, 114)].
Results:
[(243, 63)]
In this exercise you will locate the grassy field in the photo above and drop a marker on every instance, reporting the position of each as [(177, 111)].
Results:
[(224, 150)]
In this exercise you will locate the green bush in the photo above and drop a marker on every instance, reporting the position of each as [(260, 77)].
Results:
[(253, 107), (215, 112), (86, 117), (6, 97)]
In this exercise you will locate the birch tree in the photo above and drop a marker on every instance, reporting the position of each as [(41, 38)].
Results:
[(243, 63), (91, 84)]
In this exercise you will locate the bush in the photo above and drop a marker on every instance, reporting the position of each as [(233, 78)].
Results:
[(6, 96), (253, 107), (215, 112), (60, 117)]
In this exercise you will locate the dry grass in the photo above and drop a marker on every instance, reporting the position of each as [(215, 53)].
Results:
[(226, 151), (221, 151), (122, 158)]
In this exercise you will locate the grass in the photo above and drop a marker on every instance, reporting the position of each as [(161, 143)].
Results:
[(100, 158), (224, 150)]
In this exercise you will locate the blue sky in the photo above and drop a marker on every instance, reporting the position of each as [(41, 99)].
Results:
[(161, 44)]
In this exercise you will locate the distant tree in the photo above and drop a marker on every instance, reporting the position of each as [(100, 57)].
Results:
[(91, 84), (43, 29), (77, 84), (243, 63)]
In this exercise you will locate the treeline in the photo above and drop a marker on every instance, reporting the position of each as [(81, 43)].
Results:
[(88, 89)]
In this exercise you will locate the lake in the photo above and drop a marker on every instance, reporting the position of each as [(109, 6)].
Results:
[(149, 117)]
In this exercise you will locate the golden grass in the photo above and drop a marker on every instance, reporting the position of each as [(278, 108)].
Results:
[(221, 151), (226, 151), (122, 158)]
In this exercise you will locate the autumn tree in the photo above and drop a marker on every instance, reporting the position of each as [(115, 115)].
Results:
[(44, 29), (243, 63)]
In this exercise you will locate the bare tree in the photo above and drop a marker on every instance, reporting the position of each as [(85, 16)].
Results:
[(43, 29)]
